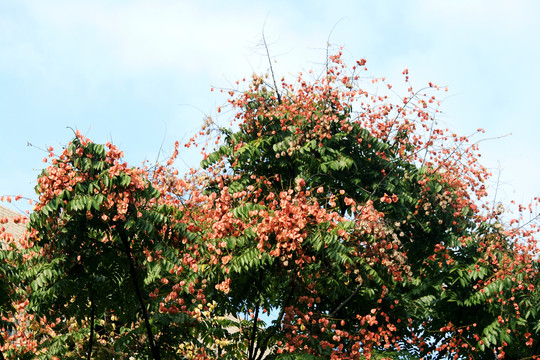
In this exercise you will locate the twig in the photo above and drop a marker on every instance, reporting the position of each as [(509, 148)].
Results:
[(271, 67), (333, 313)]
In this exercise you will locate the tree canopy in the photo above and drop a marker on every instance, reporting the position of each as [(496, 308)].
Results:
[(358, 226)]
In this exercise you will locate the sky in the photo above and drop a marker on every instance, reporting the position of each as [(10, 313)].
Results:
[(139, 72)]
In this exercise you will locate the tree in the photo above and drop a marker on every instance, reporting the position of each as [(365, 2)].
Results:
[(394, 265), (88, 261), (357, 224), (6, 296)]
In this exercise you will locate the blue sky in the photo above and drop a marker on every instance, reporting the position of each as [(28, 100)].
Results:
[(139, 72)]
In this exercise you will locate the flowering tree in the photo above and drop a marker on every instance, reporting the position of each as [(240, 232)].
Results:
[(370, 214), (356, 224), (88, 258)]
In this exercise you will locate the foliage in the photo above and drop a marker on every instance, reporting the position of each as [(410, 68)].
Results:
[(356, 225)]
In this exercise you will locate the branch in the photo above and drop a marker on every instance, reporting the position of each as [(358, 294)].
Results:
[(333, 313), (92, 320), (155, 351), (535, 350), (264, 343), (271, 68), (252, 349)]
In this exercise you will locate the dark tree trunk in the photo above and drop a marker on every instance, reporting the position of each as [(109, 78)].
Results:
[(92, 321), (153, 348)]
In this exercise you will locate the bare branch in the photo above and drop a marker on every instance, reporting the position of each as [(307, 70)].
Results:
[(271, 67)]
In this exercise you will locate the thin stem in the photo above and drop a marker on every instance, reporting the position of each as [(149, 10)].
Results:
[(155, 351), (271, 68)]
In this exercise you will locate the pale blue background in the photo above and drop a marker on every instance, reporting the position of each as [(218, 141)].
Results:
[(139, 72)]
